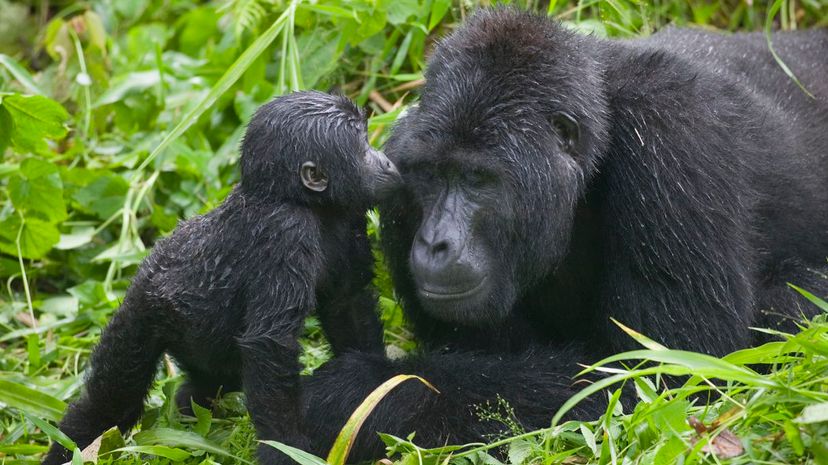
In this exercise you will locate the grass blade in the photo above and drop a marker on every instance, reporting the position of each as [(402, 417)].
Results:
[(20, 73), (227, 79), (345, 439), (30, 401), (823, 305), (301, 457)]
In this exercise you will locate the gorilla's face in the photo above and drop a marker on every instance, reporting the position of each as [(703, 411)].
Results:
[(488, 215)]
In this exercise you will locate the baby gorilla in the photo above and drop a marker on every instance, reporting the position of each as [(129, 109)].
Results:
[(227, 293)]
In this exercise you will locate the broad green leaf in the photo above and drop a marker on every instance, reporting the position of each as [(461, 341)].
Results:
[(301, 457), (104, 196), (38, 189), (36, 238), (35, 118), (111, 441), (439, 8), (400, 10), (63, 305), (80, 236), (347, 436), (31, 401), (6, 128), (204, 417), (128, 84), (817, 413)]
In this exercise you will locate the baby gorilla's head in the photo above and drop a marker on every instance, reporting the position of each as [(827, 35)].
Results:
[(312, 148)]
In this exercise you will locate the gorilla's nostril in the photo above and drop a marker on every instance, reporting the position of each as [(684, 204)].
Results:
[(439, 248)]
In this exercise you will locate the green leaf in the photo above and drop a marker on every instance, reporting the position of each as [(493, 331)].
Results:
[(20, 73), (128, 84), (817, 413), (6, 128), (640, 338), (300, 456), (823, 305), (205, 419), (54, 433), (172, 453), (347, 436), (176, 438), (35, 118), (38, 189), (438, 10), (80, 236), (36, 238), (31, 401), (400, 10), (103, 196)]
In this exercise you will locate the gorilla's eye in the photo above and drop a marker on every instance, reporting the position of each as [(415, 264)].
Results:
[(480, 178), (567, 128)]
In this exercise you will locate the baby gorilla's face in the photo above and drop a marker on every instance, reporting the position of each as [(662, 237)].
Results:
[(313, 148)]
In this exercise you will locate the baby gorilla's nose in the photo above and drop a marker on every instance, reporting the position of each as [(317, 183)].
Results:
[(383, 176)]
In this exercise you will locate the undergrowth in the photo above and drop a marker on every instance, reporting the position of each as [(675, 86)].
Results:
[(120, 117)]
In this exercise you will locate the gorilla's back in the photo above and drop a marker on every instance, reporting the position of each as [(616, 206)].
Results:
[(746, 58)]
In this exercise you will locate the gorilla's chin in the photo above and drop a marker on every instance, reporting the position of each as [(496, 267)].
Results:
[(473, 304)]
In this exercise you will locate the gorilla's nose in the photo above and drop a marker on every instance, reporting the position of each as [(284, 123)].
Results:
[(432, 254)]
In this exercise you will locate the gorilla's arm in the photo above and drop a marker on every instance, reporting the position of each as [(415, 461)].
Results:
[(535, 383)]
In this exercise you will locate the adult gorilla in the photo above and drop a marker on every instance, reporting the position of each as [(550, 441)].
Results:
[(554, 180)]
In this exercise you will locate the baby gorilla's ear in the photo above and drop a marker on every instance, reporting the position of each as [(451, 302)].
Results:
[(313, 177)]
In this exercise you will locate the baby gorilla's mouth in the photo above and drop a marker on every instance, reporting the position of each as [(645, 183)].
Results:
[(452, 294)]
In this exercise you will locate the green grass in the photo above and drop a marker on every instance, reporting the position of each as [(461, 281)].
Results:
[(118, 118)]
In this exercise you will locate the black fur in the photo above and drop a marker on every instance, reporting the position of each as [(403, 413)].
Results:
[(694, 190), (227, 293)]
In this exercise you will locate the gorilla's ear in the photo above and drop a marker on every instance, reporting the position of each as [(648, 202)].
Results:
[(568, 130), (313, 177)]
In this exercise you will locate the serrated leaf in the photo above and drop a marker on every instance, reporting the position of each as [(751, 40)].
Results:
[(35, 118), (36, 239), (38, 190)]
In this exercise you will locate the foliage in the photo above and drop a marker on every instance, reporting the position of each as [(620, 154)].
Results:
[(120, 117)]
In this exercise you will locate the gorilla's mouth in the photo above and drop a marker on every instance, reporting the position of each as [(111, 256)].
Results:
[(451, 294)]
